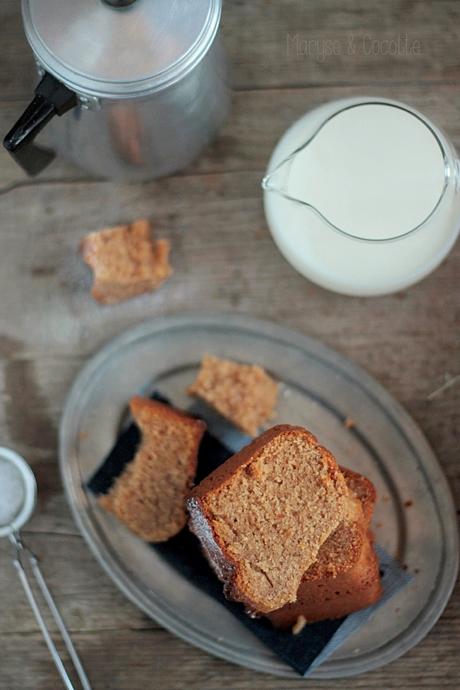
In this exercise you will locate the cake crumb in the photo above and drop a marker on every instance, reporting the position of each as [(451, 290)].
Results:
[(299, 625), (125, 261), (349, 423)]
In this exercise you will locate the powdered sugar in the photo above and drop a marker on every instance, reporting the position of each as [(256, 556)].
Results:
[(12, 492)]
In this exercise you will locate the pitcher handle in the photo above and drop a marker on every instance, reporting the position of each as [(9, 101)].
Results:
[(51, 98)]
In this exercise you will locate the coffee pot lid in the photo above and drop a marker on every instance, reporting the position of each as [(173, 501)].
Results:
[(120, 48)]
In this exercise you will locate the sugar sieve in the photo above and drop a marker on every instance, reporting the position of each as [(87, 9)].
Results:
[(18, 493)]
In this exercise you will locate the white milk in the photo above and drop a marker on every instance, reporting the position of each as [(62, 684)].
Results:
[(375, 172)]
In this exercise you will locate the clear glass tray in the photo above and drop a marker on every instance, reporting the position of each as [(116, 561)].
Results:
[(320, 390)]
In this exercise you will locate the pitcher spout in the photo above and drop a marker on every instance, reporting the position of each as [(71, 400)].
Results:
[(277, 179)]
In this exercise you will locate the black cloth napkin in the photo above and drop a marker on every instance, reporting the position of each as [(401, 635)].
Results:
[(184, 554)]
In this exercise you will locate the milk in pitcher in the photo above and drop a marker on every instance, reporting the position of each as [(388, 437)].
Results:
[(362, 196)]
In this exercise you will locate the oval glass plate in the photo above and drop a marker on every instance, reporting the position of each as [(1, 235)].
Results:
[(320, 390)]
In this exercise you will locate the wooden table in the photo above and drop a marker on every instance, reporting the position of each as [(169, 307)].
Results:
[(224, 259)]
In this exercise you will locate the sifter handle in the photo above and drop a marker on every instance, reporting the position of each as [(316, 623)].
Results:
[(22, 573)]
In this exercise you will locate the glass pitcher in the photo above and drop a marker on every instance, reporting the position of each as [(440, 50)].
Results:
[(362, 196)]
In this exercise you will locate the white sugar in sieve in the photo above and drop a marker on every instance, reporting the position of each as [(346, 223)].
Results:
[(18, 492), (18, 495)]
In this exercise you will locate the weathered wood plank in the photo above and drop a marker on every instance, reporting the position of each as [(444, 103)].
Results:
[(128, 659), (257, 120), (42, 227), (287, 43), (331, 42), (86, 597)]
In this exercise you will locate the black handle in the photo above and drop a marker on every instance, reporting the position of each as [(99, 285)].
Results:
[(51, 98)]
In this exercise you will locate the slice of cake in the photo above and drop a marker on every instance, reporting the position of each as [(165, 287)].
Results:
[(149, 496), (125, 261), (335, 597), (341, 550), (363, 489), (242, 393), (345, 577), (264, 514)]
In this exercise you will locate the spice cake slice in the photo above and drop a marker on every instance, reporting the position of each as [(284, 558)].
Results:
[(242, 393), (345, 577), (264, 514), (149, 495), (125, 261)]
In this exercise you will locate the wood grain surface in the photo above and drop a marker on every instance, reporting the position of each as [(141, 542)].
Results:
[(224, 260)]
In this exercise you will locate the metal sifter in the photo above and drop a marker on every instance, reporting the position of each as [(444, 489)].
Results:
[(18, 493)]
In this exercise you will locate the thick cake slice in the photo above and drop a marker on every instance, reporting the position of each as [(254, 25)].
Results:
[(242, 393), (149, 496), (345, 577), (263, 515)]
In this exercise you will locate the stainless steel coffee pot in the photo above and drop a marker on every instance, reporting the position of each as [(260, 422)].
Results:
[(128, 88)]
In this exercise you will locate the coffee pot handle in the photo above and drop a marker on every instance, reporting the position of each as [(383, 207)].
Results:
[(51, 98)]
